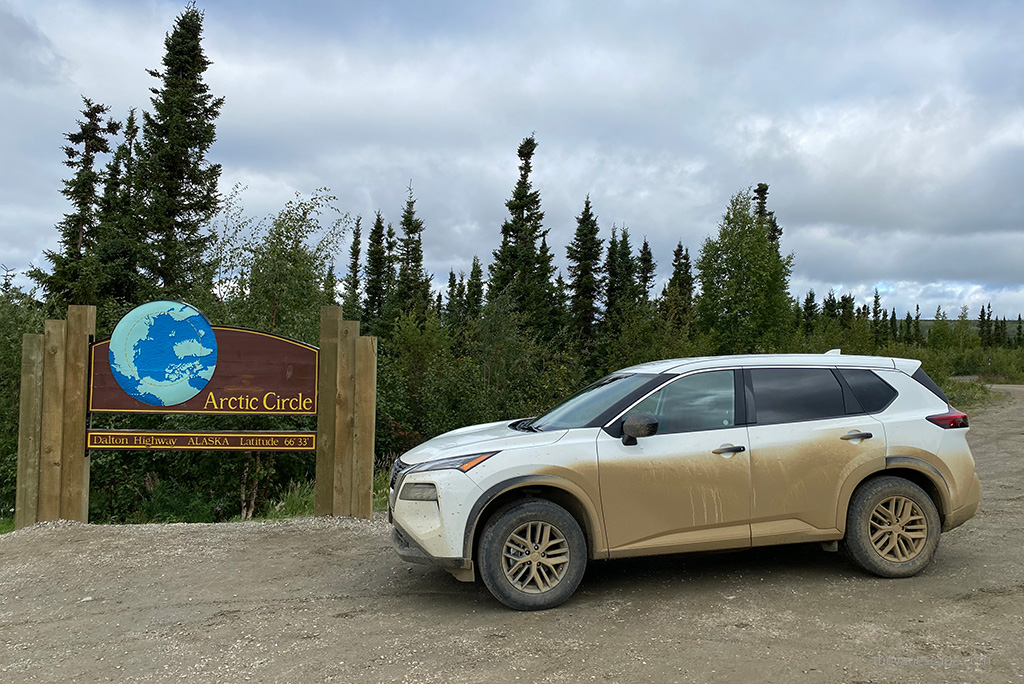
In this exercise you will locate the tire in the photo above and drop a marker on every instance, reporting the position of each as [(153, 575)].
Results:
[(892, 527), (535, 578)]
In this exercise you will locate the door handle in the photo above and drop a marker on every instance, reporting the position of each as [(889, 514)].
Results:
[(856, 435), (728, 449)]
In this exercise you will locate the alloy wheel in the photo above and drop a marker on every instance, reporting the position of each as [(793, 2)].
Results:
[(535, 557)]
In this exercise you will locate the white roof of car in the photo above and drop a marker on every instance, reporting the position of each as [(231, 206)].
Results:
[(830, 360)]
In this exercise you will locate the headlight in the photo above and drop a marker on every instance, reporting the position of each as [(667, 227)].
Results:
[(463, 463), (419, 491)]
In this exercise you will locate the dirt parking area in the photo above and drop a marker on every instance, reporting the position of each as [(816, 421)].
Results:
[(316, 600)]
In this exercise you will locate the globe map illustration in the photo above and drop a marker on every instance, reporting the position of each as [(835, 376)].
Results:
[(163, 353)]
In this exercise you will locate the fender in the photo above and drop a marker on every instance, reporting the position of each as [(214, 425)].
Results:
[(891, 463), (596, 536), (923, 466)]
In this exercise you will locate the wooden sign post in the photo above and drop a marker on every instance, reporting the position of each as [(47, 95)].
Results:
[(346, 418), (53, 466)]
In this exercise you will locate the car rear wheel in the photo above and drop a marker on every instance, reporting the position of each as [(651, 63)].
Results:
[(532, 555), (892, 527)]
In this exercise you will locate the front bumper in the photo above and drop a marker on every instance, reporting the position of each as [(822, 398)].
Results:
[(432, 532), (411, 552)]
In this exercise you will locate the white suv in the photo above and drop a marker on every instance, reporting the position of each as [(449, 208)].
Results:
[(688, 455)]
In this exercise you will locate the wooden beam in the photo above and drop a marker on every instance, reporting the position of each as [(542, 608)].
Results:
[(365, 425), (74, 495), (30, 429), (55, 335), (327, 390), (344, 446)]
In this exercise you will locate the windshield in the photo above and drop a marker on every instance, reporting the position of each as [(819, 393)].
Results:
[(585, 407)]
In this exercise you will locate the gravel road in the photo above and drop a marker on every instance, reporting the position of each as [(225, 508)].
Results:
[(320, 600)]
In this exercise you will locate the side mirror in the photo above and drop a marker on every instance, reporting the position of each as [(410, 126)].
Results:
[(638, 425)]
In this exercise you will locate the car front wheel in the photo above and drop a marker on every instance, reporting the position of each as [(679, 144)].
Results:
[(892, 527), (532, 555)]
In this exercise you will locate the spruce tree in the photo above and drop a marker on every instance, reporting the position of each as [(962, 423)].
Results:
[(454, 313), (558, 308), (518, 269), (848, 310), (984, 331), (830, 306), (179, 185), (379, 272), (412, 289), (121, 232), (330, 288), (351, 309), (645, 268), (809, 313), (475, 291), (894, 331), (544, 307), (762, 213), (877, 321), (677, 295), (75, 276), (618, 275), (883, 330), (585, 282)]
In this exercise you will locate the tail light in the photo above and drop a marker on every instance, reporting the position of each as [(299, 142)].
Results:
[(952, 419)]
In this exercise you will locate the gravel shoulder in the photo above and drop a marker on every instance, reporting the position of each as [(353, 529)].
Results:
[(323, 600)]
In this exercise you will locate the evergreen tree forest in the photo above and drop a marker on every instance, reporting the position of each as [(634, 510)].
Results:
[(146, 220)]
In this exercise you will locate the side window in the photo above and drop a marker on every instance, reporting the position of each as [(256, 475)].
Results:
[(703, 401), (788, 395), (873, 393)]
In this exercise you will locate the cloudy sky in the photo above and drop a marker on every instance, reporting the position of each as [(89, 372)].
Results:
[(891, 133)]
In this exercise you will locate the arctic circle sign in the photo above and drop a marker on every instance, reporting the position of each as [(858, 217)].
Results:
[(165, 357)]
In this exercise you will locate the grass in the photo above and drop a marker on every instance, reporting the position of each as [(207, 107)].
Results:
[(295, 502), (380, 489), (6, 525), (297, 499)]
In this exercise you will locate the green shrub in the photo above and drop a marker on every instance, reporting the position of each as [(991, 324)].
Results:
[(964, 395), (166, 502)]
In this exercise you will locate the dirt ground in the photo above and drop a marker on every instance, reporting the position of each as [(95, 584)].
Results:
[(316, 600)]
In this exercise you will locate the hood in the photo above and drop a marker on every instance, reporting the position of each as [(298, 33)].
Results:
[(478, 439)]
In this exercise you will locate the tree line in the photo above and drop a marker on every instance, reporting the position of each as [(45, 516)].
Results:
[(506, 340)]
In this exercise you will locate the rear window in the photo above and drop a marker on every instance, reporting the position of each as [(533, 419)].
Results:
[(923, 378), (873, 393), (788, 395)]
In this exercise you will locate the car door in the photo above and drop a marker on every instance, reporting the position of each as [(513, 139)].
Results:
[(805, 441), (687, 487)]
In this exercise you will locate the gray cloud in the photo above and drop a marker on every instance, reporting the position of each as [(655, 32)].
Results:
[(27, 57), (892, 134)]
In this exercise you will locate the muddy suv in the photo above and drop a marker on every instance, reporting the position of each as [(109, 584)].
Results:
[(693, 455)]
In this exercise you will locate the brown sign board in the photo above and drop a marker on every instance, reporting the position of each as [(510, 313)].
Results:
[(202, 441), (256, 373)]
